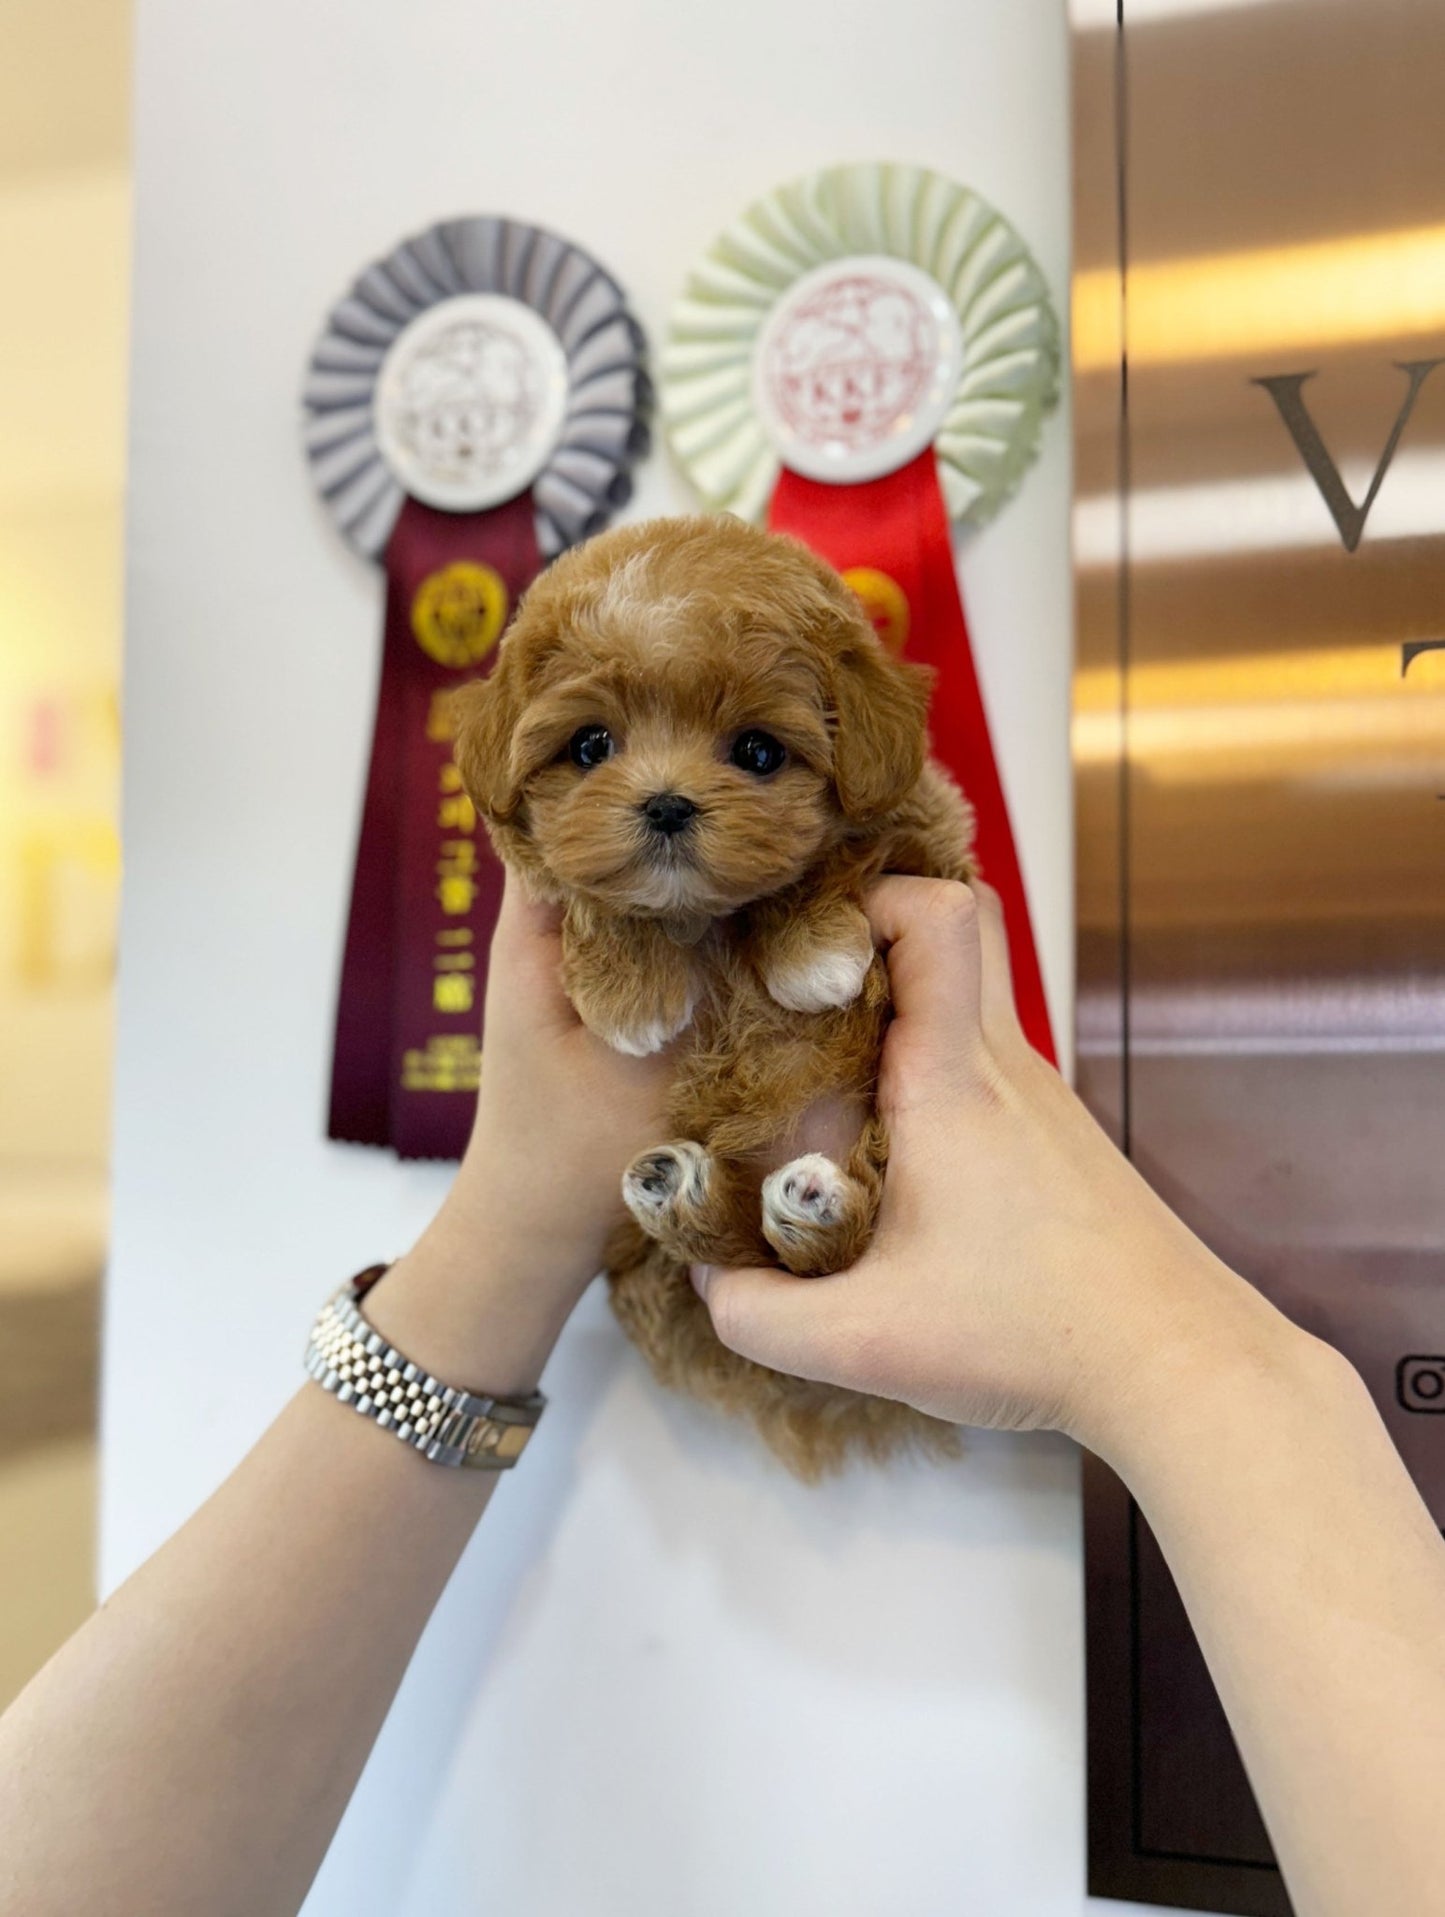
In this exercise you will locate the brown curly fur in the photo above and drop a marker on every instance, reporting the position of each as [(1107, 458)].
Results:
[(677, 636)]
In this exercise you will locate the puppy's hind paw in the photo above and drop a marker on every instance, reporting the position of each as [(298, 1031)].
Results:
[(814, 1214), (664, 1186), (806, 1192)]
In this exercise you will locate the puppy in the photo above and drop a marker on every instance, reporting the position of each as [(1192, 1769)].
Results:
[(695, 742)]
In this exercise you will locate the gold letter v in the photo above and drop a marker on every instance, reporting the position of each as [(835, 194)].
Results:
[(1285, 390)]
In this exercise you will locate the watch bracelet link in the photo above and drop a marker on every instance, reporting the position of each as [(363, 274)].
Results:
[(447, 1425)]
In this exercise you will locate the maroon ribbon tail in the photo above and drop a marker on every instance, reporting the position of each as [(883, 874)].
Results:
[(427, 886)]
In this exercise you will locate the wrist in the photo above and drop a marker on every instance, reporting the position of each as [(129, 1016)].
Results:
[(484, 1242), (503, 1213), (1218, 1353), (1246, 1478), (473, 1309)]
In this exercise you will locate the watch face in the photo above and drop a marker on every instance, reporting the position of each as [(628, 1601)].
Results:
[(856, 368), (471, 401)]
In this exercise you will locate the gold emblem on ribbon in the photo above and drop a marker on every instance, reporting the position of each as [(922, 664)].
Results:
[(458, 613), (885, 603)]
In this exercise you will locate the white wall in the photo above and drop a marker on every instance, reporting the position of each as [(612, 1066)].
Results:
[(667, 1681)]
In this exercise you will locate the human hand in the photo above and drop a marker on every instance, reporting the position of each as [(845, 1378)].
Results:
[(559, 1117), (1022, 1273)]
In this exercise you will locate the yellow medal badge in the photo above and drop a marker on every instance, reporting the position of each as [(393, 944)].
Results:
[(885, 603), (458, 613)]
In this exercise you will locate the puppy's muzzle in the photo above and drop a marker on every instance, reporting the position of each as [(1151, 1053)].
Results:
[(668, 812)]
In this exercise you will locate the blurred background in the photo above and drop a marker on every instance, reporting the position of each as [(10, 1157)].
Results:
[(64, 238)]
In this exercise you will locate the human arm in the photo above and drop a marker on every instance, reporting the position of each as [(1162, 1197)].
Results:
[(1023, 1275), (193, 1746)]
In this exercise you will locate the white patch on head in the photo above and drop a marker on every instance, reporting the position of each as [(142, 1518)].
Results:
[(806, 1193), (822, 981), (628, 601), (671, 1174)]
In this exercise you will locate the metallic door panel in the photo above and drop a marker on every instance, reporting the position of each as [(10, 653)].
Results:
[(1260, 753)]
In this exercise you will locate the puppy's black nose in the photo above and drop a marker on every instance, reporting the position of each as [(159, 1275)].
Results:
[(668, 812)]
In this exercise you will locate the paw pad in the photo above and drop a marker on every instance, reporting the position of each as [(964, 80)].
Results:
[(810, 1191), (659, 1179)]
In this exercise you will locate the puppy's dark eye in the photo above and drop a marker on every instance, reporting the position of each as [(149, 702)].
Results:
[(758, 752), (590, 746)]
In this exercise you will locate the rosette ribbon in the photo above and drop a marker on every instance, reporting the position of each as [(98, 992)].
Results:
[(473, 405), (862, 359)]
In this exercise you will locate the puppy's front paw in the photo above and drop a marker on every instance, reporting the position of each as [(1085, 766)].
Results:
[(814, 1214), (630, 1020), (820, 974), (667, 1186), (642, 1040)]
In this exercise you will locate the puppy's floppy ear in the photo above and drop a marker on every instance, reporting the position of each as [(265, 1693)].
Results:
[(881, 708), (484, 717)]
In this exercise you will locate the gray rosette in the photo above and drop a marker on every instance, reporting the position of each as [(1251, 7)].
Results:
[(603, 431)]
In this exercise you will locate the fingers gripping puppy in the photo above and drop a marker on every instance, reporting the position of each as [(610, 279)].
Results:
[(694, 741)]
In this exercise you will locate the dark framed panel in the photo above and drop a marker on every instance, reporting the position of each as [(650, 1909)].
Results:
[(1260, 760), (1171, 1816)]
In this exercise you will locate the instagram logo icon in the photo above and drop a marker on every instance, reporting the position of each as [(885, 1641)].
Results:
[(1420, 1384)]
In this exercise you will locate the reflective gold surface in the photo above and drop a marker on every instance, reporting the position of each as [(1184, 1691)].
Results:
[(52, 1225), (64, 231), (1258, 763), (1260, 705)]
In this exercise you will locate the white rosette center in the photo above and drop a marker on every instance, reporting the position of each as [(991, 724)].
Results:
[(856, 368), (470, 401)]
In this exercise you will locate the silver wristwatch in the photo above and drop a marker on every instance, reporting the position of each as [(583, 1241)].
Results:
[(347, 1357)]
